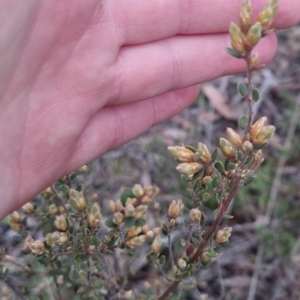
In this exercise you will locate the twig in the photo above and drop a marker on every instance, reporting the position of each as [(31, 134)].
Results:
[(162, 272), (170, 250)]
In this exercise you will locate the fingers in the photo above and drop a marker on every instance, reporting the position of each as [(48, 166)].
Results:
[(145, 21), (125, 122), (149, 70)]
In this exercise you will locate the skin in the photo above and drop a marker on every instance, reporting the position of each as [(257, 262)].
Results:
[(79, 78)]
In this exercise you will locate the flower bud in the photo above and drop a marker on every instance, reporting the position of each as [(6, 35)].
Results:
[(15, 217), (140, 211), (118, 205), (172, 223), (145, 228), (254, 61), (130, 201), (260, 133), (189, 168), (237, 39), (37, 247), (266, 17), (83, 169), (112, 205), (205, 155), (245, 16), (156, 245), (94, 216), (118, 218), (234, 138), (205, 258), (195, 215), (226, 148), (61, 223), (53, 238), (129, 210), (63, 239), (156, 230), (150, 234), (136, 241), (27, 243), (253, 36), (15, 226), (77, 200), (28, 208), (223, 235), (258, 156), (47, 193), (247, 147), (133, 231), (137, 190), (183, 154), (181, 263), (61, 209), (206, 180), (52, 210), (175, 209)]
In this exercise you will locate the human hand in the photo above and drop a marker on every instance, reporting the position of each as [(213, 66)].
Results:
[(78, 78)]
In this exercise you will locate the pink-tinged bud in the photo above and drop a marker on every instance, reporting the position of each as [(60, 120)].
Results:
[(205, 155), (150, 234), (156, 245), (189, 168), (137, 190), (260, 133), (133, 231), (253, 36), (195, 215), (258, 156), (52, 210), (267, 15), (37, 247), (15, 217), (237, 39), (181, 263), (223, 235), (175, 209), (145, 228), (182, 154), (28, 208), (149, 193), (118, 218), (156, 230), (245, 16), (234, 138), (136, 241), (247, 147), (61, 223), (77, 200), (226, 148), (254, 61)]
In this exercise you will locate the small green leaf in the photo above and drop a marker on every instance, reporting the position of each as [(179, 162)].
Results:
[(249, 160), (191, 148), (71, 229), (219, 166), (79, 187), (231, 52), (215, 154), (243, 120), (215, 213), (239, 154), (178, 276), (230, 167), (261, 146), (149, 257), (126, 193), (162, 260), (249, 179), (255, 95), (215, 182), (112, 242), (195, 241), (110, 224), (228, 217), (203, 220), (164, 230), (140, 223), (96, 242), (198, 175), (242, 89), (129, 222)]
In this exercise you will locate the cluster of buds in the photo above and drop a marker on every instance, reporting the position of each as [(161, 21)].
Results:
[(61, 223), (136, 241), (36, 247), (245, 38), (260, 134), (195, 215), (227, 148), (223, 235), (47, 193), (174, 211), (94, 215), (57, 238), (77, 200), (15, 221)]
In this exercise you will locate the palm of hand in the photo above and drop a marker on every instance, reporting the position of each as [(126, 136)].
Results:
[(81, 77)]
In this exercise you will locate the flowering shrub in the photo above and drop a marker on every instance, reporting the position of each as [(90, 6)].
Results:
[(74, 256)]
